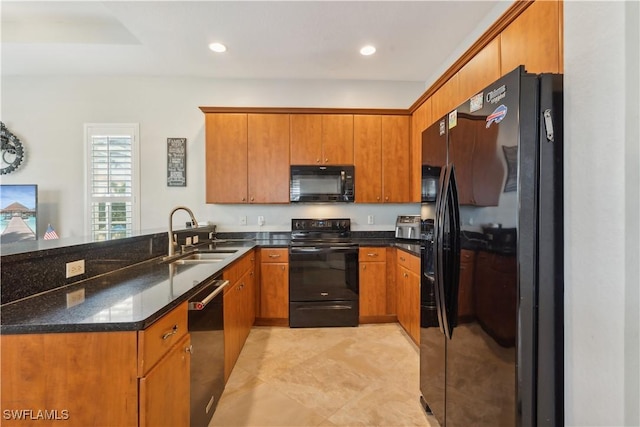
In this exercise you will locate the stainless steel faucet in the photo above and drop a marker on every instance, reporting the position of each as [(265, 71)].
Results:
[(193, 222)]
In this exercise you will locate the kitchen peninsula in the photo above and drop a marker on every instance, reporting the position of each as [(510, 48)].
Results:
[(126, 321)]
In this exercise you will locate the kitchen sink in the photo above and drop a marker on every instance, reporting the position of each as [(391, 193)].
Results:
[(205, 256)]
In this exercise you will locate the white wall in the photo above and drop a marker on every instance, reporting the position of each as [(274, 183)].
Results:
[(601, 53), (48, 113)]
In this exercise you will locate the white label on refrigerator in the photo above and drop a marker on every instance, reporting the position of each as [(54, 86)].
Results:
[(453, 119), (497, 94), (476, 102)]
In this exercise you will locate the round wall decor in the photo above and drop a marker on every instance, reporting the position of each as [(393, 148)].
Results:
[(12, 151)]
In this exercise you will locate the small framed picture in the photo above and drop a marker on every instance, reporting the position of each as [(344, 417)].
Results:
[(176, 162)]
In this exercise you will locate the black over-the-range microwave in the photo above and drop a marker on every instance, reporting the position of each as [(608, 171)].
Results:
[(335, 183)]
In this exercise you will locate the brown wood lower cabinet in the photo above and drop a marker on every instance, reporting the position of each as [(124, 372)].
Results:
[(274, 287), (95, 378), (239, 308), (164, 390), (408, 293), (374, 287)]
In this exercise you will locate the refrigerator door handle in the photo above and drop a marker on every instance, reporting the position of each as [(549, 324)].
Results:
[(452, 209), (439, 251)]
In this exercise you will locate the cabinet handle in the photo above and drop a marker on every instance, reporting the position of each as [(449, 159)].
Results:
[(244, 199), (282, 268), (317, 160), (173, 331), (189, 349), (406, 275), (386, 198), (252, 198), (364, 267), (372, 254), (274, 255), (326, 160), (402, 259), (251, 274), (377, 197)]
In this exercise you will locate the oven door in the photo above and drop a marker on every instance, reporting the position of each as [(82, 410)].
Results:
[(323, 273), (323, 286)]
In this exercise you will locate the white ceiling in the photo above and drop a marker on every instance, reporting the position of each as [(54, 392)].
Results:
[(415, 40)]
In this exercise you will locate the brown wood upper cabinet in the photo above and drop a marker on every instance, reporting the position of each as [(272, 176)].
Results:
[(534, 39), (321, 139), (226, 157), (247, 158), (381, 152)]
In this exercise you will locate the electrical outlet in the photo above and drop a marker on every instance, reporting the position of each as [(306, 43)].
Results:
[(75, 268), (195, 240), (370, 219), (260, 220), (75, 297), (243, 220)]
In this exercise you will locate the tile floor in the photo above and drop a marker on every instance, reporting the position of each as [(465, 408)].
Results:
[(364, 376)]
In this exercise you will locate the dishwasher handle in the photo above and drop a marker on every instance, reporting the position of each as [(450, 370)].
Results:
[(200, 305)]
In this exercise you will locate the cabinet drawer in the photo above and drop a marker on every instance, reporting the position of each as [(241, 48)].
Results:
[(238, 269), (158, 338), (274, 255), (410, 262), (372, 254)]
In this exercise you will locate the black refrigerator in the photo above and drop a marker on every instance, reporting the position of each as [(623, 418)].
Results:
[(491, 326)]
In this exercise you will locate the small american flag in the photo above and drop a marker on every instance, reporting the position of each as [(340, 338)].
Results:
[(50, 234)]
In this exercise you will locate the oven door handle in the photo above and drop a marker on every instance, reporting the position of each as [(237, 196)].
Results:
[(320, 249)]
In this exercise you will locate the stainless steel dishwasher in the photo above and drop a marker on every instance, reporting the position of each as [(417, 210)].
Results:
[(206, 326)]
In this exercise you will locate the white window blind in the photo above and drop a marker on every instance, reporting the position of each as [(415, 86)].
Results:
[(112, 180)]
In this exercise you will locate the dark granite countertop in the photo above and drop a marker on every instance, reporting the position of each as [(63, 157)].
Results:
[(128, 299), (134, 297)]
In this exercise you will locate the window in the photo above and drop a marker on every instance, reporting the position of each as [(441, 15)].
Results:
[(112, 180)]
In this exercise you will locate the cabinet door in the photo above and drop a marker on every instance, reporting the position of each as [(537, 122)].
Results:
[(413, 309), (268, 158), (306, 139), (226, 157), (367, 147), (533, 39), (395, 159), (402, 295), (420, 120), (446, 98), (373, 288), (232, 313), (482, 70), (246, 309), (164, 391), (337, 139), (274, 290)]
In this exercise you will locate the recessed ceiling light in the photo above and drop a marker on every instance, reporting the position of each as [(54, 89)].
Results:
[(367, 50), (218, 47)]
